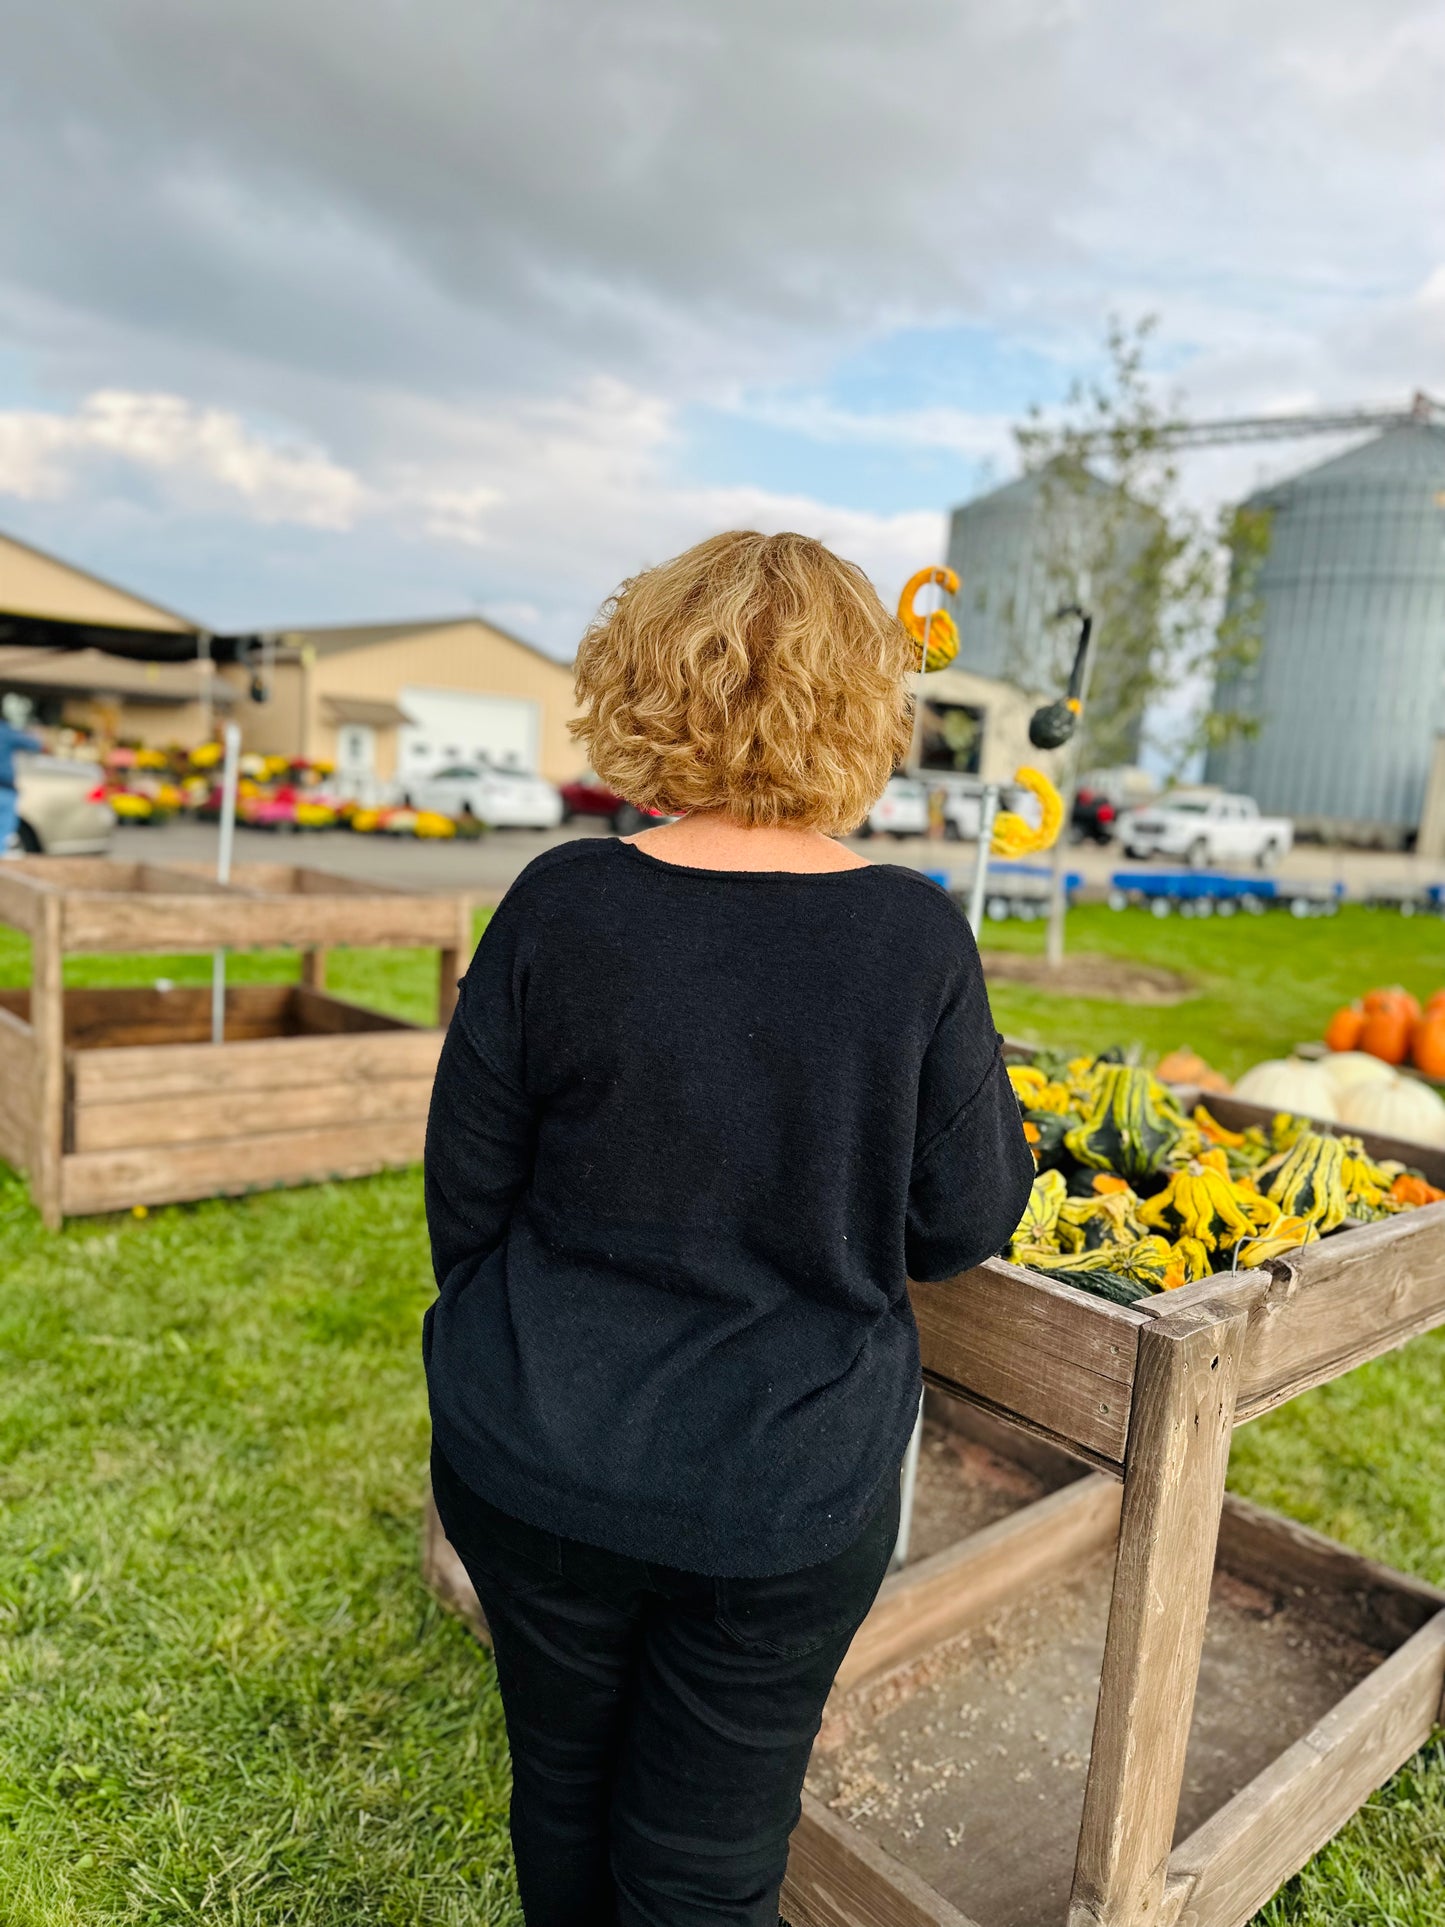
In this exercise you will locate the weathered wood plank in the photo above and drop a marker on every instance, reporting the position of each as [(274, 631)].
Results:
[(20, 900), (174, 879), (838, 1878), (268, 1064), (1226, 1870), (1333, 1305), (1368, 1602), (136, 1015), (453, 960), (95, 922), (114, 1180), (166, 1121), (1031, 1349), (446, 1577), (17, 1089), (1183, 1414), (47, 1020), (965, 1584), (318, 1013)]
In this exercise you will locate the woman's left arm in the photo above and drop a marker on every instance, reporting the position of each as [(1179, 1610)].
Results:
[(481, 1129)]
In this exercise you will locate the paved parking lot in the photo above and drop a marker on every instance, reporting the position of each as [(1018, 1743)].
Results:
[(490, 864)]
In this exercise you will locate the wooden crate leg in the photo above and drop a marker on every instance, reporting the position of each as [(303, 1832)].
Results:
[(47, 1018), (1178, 1450), (454, 960), (313, 967)]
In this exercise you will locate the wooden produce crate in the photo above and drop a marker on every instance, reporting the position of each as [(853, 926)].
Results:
[(1148, 1394), (118, 1097)]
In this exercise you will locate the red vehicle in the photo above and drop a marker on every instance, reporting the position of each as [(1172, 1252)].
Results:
[(589, 796)]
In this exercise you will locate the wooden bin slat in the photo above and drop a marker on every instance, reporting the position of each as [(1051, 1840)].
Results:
[(168, 1121), (837, 1877), (156, 922), (1357, 1596), (268, 1063), (102, 1180), (966, 1583), (1036, 1350), (17, 1088), (1335, 1304), (1228, 1868)]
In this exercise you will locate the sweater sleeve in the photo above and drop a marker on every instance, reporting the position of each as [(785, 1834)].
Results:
[(972, 1167), (481, 1126)]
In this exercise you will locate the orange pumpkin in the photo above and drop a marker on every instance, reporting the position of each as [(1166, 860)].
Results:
[(1427, 1042), (1394, 997), (1385, 1033), (1343, 1029)]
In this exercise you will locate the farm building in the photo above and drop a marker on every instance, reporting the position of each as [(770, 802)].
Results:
[(1348, 693), (385, 701), (382, 700)]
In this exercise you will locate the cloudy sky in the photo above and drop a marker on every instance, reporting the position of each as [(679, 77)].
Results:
[(353, 309)]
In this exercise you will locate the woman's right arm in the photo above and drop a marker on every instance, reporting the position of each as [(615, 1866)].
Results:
[(481, 1128), (972, 1167)]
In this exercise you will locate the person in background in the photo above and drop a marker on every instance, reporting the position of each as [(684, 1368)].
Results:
[(711, 1094), (11, 741)]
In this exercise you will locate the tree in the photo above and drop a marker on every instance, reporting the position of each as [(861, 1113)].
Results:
[(1110, 512)]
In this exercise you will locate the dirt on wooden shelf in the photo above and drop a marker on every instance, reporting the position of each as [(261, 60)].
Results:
[(1117, 980), (968, 1764)]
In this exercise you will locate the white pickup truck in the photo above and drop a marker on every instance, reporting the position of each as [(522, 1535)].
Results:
[(1204, 826)]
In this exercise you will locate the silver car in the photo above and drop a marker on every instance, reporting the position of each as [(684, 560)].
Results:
[(63, 811)]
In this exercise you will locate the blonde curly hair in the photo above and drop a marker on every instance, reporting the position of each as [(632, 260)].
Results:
[(756, 675)]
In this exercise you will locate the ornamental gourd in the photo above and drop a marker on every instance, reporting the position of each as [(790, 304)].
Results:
[(1126, 1129), (1310, 1183), (1343, 1030)]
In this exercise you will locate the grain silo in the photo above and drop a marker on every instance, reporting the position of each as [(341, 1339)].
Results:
[(1349, 687)]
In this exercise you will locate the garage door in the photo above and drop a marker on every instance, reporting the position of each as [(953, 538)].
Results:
[(457, 726)]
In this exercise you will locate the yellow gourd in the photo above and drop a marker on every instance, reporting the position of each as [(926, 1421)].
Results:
[(1012, 834)]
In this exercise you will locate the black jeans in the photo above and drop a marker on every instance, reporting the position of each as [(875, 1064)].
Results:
[(660, 1722)]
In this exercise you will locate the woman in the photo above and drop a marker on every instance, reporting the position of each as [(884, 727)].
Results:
[(711, 1094)]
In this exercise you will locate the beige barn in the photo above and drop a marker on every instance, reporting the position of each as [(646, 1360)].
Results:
[(384, 701)]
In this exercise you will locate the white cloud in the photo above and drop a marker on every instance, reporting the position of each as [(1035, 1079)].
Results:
[(45, 455)]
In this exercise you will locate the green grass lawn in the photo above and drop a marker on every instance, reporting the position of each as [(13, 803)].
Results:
[(227, 1697)]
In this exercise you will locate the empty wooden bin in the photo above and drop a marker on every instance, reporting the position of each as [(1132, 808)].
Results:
[(118, 1097)]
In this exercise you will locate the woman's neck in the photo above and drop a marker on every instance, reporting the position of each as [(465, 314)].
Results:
[(713, 842)]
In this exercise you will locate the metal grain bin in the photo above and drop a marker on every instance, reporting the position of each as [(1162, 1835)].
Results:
[(1349, 688)]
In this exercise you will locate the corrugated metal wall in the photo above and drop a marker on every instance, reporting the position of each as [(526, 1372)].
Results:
[(1349, 690)]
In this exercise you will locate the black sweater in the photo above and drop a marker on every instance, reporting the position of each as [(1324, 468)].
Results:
[(691, 1131)]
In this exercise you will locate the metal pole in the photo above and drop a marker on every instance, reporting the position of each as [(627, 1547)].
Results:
[(987, 811), (910, 1484), (208, 670), (230, 771), (1059, 856)]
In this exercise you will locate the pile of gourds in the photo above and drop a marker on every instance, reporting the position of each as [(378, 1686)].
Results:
[(1135, 1195)]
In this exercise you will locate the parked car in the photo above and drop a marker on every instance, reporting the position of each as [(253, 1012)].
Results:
[(63, 811), (504, 799), (1203, 826), (1094, 818), (588, 795), (902, 810)]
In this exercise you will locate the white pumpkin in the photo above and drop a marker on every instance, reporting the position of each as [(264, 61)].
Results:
[(1403, 1108), (1347, 1070), (1290, 1084)]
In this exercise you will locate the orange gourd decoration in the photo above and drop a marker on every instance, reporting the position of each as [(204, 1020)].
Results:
[(1410, 1190), (936, 633), (1385, 1032), (1427, 1041), (1343, 1030)]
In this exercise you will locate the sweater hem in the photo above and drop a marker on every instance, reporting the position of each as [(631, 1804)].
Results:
[(611, 1526)]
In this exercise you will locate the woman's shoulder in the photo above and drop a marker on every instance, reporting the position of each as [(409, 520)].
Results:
[(558, 871)]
